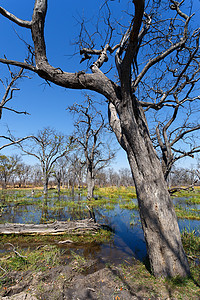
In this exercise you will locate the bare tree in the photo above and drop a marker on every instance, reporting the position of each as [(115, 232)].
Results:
[(125, 177), (47, 146), (36, 175), (90, 132), (113, 177), (183, 176), (164, 36), (60, 171), (101, 178), (8, 168), (76, 170), (22, 173), (9, 87), (177, 125), (179, 141)]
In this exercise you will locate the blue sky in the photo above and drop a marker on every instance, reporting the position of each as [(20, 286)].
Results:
[(47, 105)]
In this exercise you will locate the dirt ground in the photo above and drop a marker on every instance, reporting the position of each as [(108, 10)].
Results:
[(74, 282), (83, 281)]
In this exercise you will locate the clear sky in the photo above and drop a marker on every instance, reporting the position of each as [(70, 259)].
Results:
[(47, 105)]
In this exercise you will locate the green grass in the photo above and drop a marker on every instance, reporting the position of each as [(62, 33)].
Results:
[(192, 196), (191, 244), (116, 192), (44, 258), (35, 240), (129, 205), (192, 214)]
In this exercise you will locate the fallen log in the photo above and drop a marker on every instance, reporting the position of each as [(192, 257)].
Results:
[(179, 189), (58, 227)]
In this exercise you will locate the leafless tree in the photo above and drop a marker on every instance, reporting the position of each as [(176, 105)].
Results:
[(113, 177), (9, 87), (76, 169), (161, 37), (183, 176), (47, 146), (177, 138), (90, 132), (60, 171), (22, 173), (125, 177), (8, 168), (101, 178), (36, 175)]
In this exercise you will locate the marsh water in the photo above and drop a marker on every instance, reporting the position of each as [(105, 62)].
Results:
[(127, 242)]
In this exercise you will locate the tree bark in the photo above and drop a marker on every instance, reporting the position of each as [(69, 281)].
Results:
[(58, 185), (45, 183), (90, 183), (159, 221), (58, 227)]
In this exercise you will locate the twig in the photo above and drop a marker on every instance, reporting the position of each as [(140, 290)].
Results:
[(15, 251), (65, 242), (3, 269), (192, 257)]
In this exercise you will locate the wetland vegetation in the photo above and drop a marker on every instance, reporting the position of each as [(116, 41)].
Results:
[(120, 250)]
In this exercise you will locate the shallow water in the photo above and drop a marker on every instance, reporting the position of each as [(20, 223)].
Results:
[(181, 201), (128, 240)]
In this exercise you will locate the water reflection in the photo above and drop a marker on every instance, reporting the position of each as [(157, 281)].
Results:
[(128, 240)]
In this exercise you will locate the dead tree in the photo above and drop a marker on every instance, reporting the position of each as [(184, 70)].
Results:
[(90, 129), (59, 171), (126, 112), (179, 141), (9, 86), (47, 146)]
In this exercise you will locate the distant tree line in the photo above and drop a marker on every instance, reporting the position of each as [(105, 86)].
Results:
[(67, 172)]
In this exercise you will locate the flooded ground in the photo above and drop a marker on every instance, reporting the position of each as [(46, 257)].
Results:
[(90, 266), (128, 240)]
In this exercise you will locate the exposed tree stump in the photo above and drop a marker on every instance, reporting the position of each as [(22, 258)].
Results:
[(58, 227)]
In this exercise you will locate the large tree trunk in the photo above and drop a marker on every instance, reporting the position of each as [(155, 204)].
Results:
[(159, 221), (58, 185), (45, 183), (90, 183)]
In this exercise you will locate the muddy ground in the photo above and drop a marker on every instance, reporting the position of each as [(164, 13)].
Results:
[(71, 283), (84, 281)]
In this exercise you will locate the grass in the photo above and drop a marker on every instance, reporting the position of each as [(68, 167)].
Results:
[(44, 258), (100, 236), (195, 199), (192, 196), (136, 277), (191, 214), (128, 205), (116, 192)]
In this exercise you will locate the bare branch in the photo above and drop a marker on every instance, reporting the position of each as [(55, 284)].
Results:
[(171, 49), (14, 19), (18, 64), (13, 142)]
